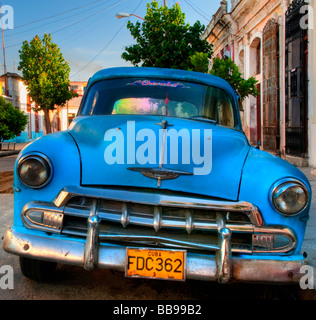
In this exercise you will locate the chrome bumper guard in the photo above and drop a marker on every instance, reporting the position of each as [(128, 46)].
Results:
[(90, 254)]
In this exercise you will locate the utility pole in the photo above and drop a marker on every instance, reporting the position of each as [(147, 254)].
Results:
[(165, 3), (6, 92)]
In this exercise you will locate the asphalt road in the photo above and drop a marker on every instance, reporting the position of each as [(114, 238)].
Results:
[(7, 163), (74, 283)]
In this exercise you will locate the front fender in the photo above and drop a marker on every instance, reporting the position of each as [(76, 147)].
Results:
[(63, 153), (261, 171)]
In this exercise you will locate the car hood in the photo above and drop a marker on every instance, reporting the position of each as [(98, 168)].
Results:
[(125, 151)]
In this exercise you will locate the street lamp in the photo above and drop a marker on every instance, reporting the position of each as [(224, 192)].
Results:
[(126, 15)]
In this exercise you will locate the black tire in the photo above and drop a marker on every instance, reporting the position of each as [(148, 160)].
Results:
[(37, 270)]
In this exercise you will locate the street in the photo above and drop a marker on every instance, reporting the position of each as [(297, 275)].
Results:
[(74, 283), (7, 163)]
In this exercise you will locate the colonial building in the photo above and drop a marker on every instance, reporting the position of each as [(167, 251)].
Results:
[(63, 115), (267, 41), (312, 85), (13, 90)]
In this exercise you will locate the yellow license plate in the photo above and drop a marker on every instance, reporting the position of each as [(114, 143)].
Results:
[(157, 264)]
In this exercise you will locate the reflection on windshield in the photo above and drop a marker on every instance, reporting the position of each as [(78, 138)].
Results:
[(136, 106), (157, 97), (155, 107)]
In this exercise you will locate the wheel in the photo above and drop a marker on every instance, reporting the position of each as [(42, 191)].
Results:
[(36, 269)]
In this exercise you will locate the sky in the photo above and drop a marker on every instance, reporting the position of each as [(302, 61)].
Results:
[(87, 32)]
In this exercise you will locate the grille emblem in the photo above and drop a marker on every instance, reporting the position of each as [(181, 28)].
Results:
[(160, 173)]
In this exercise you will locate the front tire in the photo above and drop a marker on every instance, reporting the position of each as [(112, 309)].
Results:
[(37, 270)]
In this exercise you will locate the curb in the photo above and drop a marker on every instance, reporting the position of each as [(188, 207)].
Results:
[(8, 153)]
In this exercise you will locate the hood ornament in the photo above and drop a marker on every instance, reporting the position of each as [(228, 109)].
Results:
[(161, 173)]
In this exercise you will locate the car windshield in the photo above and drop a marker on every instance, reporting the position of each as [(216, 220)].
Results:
[(134, 96)]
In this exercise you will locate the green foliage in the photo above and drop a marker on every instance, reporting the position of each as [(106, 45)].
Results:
[(228, 70), (200, 62), (12, 120), (46, 74), (164, 40)]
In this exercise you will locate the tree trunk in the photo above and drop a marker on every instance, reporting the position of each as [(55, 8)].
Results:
[(48, 126)]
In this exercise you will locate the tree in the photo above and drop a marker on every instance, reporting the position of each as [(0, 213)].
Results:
[(46, 75), (164, 39), (227, 69), (200, 62), (12, 120)]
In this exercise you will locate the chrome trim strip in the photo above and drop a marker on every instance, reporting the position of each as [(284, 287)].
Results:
[(159, 199), (157, 239), (164, 242), (199, 266)]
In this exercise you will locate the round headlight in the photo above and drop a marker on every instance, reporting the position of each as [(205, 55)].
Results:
[(290, 197), (34, 170)]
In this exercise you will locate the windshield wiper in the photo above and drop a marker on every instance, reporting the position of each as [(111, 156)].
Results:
[(203, 118)]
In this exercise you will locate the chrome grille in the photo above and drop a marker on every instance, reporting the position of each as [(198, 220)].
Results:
[(151, 225), (157, 217)]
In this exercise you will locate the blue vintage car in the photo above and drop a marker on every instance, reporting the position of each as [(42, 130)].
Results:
[(156, 178)]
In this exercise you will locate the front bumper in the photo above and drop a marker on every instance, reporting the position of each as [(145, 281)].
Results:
[(89, 253)]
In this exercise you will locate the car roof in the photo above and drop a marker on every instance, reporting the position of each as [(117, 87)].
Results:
[(163, 73)]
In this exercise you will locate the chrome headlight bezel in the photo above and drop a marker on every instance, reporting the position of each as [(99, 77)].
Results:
[(280, 187), (44, 160)]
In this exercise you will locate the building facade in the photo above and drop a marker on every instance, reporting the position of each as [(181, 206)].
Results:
[(63, 115), (268, 41), (16, 93), (312, 85)]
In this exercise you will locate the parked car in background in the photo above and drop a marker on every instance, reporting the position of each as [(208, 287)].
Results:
[(156, 178)]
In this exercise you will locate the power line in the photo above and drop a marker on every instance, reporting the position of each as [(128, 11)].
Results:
[(92, 15), (198, 11), (56, 15), (78, 21), (42, 25), (101, 50), (85, 29), (106, 44), (82, 31)]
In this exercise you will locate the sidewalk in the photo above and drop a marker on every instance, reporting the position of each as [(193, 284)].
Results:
[(18, 148)]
